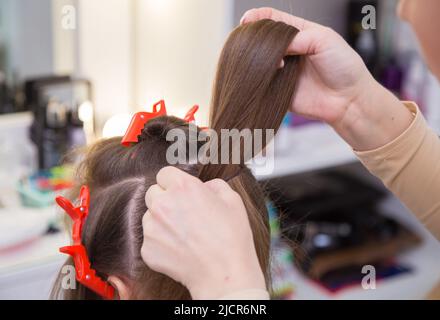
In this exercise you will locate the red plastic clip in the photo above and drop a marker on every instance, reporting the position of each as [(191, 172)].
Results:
[(138, 122), (189, 117), (84, 273), (141, 118)]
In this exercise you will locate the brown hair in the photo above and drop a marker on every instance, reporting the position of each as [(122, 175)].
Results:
[(248, 84)]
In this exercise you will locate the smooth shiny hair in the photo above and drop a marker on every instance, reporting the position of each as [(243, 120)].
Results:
[(250, 91)]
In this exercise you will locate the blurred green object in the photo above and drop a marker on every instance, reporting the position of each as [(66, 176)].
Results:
[(40, 189), (274, 222), (33, 198), (283, 286)]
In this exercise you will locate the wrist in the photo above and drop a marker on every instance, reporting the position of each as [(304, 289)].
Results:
[(373, 119), (220, 282)]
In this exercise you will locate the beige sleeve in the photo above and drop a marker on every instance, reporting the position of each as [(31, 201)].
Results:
[(251, 294), (410, 167)]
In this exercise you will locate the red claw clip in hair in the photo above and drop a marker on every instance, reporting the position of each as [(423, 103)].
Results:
[(139, 120), (84, 273), (189, 117)]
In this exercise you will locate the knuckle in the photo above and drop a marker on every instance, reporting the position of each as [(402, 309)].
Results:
[(187, 185), (220, 184), (180, 183), (150, 192), (159, 207), (190, 185), (166, 170)]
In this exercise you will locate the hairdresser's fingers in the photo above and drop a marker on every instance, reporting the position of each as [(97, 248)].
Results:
[(307, 41), (148, 224), (282, 63), (152, 193), (310, 41), (159, 259), (152, 226), (158, 228), (162, 246), (159, 253), (217, 185), (170, 177), (220, 188), (276, 15), (224, 191)]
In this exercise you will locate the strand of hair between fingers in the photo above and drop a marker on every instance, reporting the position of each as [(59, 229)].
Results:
[(231, 146)]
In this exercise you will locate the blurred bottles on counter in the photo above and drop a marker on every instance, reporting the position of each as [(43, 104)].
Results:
[(38, 190), (361, 30), (392, 54)]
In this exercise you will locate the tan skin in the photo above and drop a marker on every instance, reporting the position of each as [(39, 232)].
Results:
[(346, 96)]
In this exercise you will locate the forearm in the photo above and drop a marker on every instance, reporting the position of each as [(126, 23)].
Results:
[(373, 119), (395, 144), (244, 277), (246, 285), (410, 167)]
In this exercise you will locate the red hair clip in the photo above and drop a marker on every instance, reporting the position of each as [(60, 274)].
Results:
[(141, 118), (138, 122), (84, 273), (189, 117)]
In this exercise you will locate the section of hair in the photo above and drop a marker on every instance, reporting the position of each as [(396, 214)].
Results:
[(251, 91)]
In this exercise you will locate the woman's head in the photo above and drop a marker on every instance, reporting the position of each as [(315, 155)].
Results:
[(248, 82), (118, 178), (423, 17)]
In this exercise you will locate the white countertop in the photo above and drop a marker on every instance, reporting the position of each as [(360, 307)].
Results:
[(309, 147)]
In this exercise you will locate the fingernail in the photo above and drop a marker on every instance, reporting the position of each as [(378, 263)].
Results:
[(243, 19), (282, 64)]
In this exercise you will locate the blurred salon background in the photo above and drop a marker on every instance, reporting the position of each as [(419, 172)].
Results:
[(73, 71)]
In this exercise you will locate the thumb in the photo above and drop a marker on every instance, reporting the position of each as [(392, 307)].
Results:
[(306, 42)]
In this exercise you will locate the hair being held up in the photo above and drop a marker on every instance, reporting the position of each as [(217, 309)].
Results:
[(250, 91)]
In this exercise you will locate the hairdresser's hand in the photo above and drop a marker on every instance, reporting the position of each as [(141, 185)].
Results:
[(336, 87), (199, 234)]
